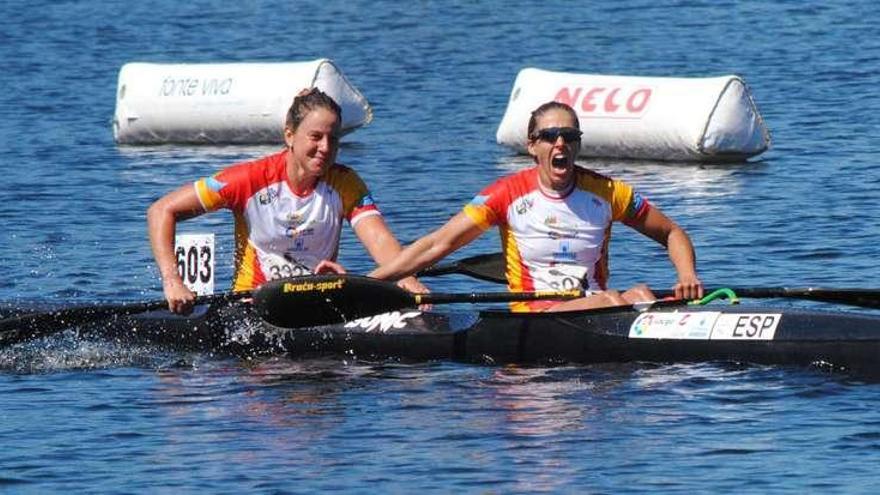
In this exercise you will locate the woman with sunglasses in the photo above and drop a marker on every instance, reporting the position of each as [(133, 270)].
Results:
[(555, 220), (288, 207)]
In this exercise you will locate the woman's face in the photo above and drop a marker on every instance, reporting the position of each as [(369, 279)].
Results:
[(315, 142), (554, 144)]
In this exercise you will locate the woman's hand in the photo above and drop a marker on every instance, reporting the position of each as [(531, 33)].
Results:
[(688, 287), (327, 266), (180, 298), (413, 285)]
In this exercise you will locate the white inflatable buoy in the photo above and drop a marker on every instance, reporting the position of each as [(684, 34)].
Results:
[(658, 118), (223, 103)]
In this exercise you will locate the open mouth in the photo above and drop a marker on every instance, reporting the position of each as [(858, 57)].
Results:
[(559, 160)]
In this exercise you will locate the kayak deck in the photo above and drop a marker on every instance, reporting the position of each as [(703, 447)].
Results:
[(754, 334)]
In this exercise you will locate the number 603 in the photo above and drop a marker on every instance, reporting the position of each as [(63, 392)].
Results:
[(194, 263)]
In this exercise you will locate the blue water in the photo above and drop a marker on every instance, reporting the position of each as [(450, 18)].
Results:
[(104, 418)]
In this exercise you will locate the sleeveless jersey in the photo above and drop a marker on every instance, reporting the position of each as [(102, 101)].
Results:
[(278, 233), (555, 243)]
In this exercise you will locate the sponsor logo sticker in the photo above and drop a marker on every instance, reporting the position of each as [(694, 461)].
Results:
[(746, 326), (384, 322), (677, 325), (705, 325), (331, 285)]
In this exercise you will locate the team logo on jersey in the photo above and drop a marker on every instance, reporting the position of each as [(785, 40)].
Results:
[(298, 228), (524, 206), (299, 239), (299, 245), (561, 233), (294, 219), (557, 230), (298, 233), (267, 196), (565, 253)]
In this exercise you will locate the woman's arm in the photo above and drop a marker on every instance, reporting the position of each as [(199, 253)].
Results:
[(657, 226), (457, 232), (382, 246), (162, 218)]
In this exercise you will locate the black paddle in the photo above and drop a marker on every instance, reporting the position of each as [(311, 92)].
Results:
[(490, 267), (31, 325), (324, 299), (865, 298)]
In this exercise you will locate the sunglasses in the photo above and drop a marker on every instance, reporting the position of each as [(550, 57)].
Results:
[(551, 134)]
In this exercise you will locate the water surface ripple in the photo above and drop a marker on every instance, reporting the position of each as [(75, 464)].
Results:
[(100, 417)]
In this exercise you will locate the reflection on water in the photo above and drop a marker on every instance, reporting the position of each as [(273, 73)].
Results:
[(535, 401), (301, 398)]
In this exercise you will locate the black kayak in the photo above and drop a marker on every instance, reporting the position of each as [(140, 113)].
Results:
[(674, 333)]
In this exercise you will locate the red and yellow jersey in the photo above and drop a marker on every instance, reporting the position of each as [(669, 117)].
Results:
[(278, 233), (555, 243)]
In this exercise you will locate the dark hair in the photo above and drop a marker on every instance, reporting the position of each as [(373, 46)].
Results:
[(550, 105), (307, 100)]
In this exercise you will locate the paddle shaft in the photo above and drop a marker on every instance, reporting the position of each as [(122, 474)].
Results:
[(866, 298), (489, 267), (491, 297)]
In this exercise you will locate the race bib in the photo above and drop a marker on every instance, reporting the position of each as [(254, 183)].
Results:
[(277, 266), (195, 261), (563, 277)]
